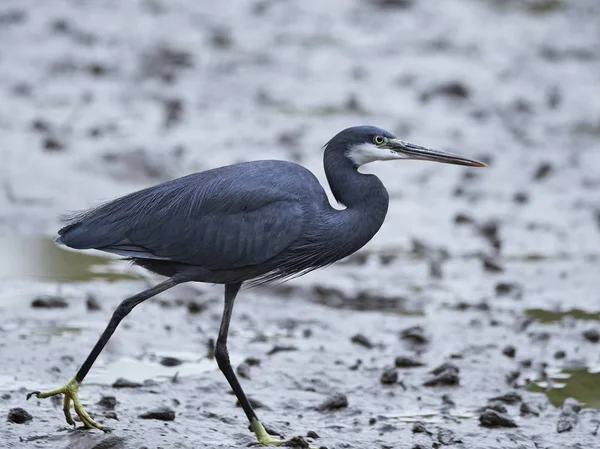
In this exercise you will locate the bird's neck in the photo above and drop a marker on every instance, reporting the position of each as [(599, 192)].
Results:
[(364, 196)]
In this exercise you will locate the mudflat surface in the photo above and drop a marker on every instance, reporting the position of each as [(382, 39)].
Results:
[(490, 275)]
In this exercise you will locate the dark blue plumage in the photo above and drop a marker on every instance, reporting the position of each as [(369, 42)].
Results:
[(261, 220), (256, 221)]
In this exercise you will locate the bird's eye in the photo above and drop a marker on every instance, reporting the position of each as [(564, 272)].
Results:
[(379, 140)]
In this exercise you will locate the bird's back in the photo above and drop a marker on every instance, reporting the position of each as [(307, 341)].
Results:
[(227, 218)]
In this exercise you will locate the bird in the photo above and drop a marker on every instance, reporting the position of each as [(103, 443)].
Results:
[(253, 222)]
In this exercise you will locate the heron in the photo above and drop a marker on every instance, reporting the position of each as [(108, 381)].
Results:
[(252, 222)]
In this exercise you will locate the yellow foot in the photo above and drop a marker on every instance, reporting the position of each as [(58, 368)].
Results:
[(264, 439), (70, 391)]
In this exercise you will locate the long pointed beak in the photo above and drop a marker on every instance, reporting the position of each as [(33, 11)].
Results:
[(412, 151)]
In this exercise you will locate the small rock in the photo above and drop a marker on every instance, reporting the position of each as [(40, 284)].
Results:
[(560, 354), (255, 403), (389, 376), (419, 427), (277, 348), (445, 374), (335, 402), (252, 361), (512, 289), (568, 418), (462, 218), (195, 307), (108, 402), (543, 170), (491, 418), (508, 398), (49, 302), (526, 409), (170, 361), (243, 370), (509, 351), (52, 144), (18, 415), (447, 438), (312, 434), (520, 197), (494, 405), (415, 334), (592, 335), (111, 442), (124, 383), (91, 302), (160, 413), (491, 264), (361, 340), (407, 362)]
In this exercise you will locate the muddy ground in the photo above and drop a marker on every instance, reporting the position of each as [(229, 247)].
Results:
[(491, 275)]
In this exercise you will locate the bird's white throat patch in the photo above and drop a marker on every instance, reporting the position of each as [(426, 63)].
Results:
[(364, 153)]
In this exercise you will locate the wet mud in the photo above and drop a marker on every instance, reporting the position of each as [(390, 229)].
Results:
[(471, 320)]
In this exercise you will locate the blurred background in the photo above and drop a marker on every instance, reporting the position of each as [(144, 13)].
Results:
[(494, 271)]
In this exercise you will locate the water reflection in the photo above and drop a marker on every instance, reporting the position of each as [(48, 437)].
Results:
[(40, 259)]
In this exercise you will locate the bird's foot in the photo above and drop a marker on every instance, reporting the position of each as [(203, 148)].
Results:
[(264, 439), (69, 390)]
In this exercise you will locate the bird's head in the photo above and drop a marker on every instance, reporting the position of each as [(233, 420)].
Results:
[(364, 144)]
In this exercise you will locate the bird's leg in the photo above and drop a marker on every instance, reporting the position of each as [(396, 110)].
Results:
[(222, 356), (69, 390)]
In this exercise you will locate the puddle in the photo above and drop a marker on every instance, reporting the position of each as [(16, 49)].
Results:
[(551, 316), (40, 259), (580, 384)]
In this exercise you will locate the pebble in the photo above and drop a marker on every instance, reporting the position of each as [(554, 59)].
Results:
[(389, 376), (415, 334), (592, 335), (49, 302), (509, 351), (335, 402), (361, 340), (445, 374), (160, 413), (170, 361), (92, 303), (568, 418), (491, 418), (407, 362), (124, 383), (508, 398), (18, 415), (108, 402)]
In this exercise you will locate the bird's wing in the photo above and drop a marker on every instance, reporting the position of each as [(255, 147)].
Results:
[(218, 222)]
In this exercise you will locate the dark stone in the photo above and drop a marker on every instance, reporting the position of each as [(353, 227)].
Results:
[(312, 434), (491, 418), (407, 362), (195, 307), (252, 361), (108, 402), (335, 402), (91, 302), (111, 442), (160, 413), (462, 218), (18, 415), (124, 383), (393, 3), (277, 348), (419, 427), (521, 197), (170, 361), (255, 403), (453, 89), (52, 144), (526, 409), (560, 354), (415, 334), (444, 375), (509, 351), (491, 264), (508, 398), (361, 340), (512, 289), (389, 376), (543, 170), (592, 335), (49, 302)]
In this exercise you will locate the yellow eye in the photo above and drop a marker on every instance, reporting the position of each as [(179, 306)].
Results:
[(379, 140)]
